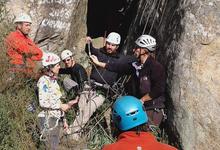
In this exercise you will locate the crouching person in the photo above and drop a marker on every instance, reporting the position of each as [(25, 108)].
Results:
[(49, 98), (89, 99), (130, 119)]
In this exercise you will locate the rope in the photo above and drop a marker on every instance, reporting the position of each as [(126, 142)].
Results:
[(162, 15), (99, 119), (154, 17), (89, 49), (46, 125), (113, 90), (116, 88), (103, 78), (148, 17), (142, 15), (104, 131)]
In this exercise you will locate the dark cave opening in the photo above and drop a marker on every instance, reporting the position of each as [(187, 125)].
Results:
[(108, 16)]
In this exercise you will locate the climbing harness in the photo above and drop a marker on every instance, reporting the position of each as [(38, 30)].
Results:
[(46, 125)]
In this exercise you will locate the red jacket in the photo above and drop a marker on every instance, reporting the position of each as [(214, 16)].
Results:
[(130, 141), (22, 51)]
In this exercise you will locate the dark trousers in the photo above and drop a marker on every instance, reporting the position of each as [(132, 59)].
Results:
[(155, 117)]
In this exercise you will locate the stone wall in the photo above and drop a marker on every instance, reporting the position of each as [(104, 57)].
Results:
[(188, 36)]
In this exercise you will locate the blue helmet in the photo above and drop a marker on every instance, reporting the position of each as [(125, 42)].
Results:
[(128, 112)]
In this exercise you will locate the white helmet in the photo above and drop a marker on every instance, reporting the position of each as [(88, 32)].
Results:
[(65, 54), (146, 41), (50, 59), (114, 38), (23, 18)]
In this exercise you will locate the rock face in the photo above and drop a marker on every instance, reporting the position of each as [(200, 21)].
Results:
[(188, 34), (188, 37), (57, 24)]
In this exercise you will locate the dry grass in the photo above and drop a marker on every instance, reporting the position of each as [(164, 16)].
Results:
[(15, 119)]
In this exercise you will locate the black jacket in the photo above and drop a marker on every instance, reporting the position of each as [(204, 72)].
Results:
[(123, 66), (152, 69), (77, 73), (99, 74)]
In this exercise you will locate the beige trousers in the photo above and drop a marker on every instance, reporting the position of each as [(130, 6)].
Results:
[(89, 101)]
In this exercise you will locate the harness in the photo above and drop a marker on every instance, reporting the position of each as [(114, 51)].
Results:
[(46, 126), (137, 67)]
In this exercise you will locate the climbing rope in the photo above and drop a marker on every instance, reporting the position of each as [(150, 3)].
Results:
[(145, 7), (98, 121), (46, 126), (155, 15), (150, 12), (101, 116), (113, 90), (162, 15)]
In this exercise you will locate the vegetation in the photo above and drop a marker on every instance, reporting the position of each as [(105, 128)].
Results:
[(16, 122)]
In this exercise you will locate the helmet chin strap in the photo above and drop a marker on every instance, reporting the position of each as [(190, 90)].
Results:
[(141, 54), (51, 74)]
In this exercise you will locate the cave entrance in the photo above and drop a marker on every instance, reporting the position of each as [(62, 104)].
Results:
[(104, 17)]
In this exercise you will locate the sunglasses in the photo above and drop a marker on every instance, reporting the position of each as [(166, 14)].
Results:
[(66, 60)]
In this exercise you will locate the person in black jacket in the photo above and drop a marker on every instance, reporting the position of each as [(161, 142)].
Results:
[(75, 70), (88, 99), (108, 54), (148, 74)]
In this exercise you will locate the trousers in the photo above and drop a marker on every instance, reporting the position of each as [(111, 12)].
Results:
[(89, 102)]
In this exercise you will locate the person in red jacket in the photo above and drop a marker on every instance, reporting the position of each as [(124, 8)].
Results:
[(130, 119), (21, 50)]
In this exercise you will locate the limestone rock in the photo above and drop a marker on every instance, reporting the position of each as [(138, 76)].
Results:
[(53, 21), (187, 34), (188, 37)]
